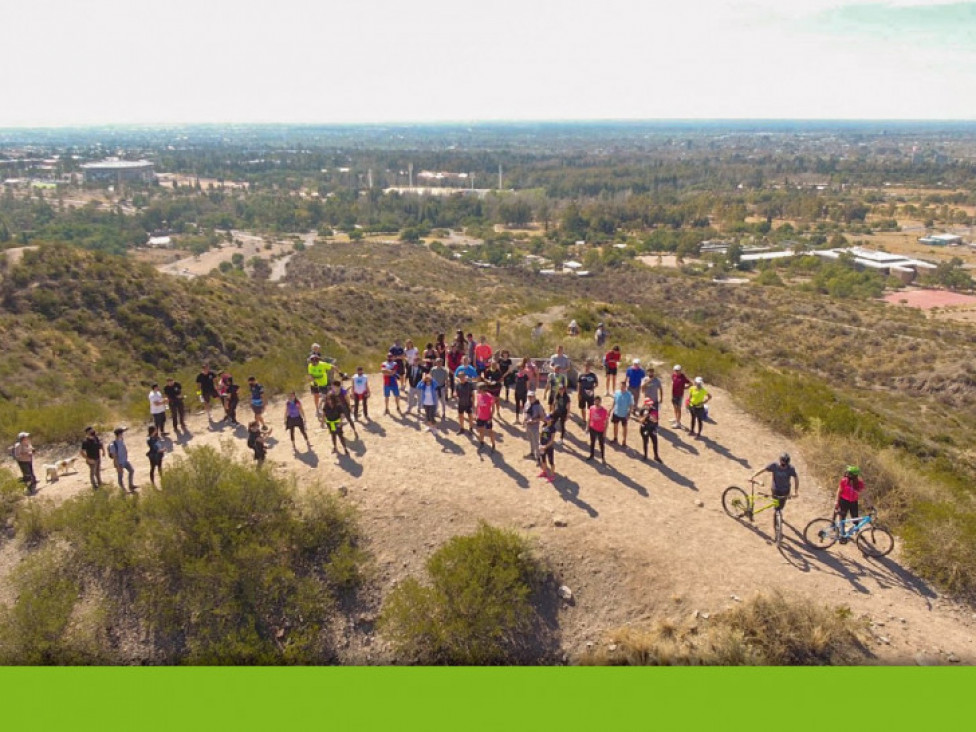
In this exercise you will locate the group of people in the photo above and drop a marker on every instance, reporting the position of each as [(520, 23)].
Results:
[(465, 371)]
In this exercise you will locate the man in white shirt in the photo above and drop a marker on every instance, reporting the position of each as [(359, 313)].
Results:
[(157, 408)]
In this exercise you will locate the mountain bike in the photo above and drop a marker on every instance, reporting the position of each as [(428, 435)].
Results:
[(737, 503), (871, 538)]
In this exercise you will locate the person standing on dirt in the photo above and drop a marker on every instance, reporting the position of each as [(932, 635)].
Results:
[(698, 397), (484, 408), (332, 413), (597, 420), (559, 360), (155, 455), (177, 409), (391, 382), (678, 384), (233, 399), (455, 355), (344, 405), (93, 451), (467, 368), (586, 391), (439, 376), (482, 355), (533, 417), (635, 377), (493, 377), (623, 403), (24, 455), (318, 374), (547, 448), (522, 379), (157, 409), (295, 419), (360, 393), (652, 388), (257, 399), (465, 400), (207, 388), (611, 361), (557, 379), (782, 472), (648, 415), (440, 348), (508, 373), (119, 452), (560, 407), (469, 349), (850, 489), (415, 374), (396, 355), (427, 389), (256, 443)]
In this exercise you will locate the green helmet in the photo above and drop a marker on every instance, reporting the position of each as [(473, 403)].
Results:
[(853, 471)]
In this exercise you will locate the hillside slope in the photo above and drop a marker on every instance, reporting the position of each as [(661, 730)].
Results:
[(636, 546)]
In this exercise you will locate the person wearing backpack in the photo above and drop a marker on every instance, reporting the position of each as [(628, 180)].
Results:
[(155, 455), (92, 451), (23, 452), (119, 453), (255, 442)]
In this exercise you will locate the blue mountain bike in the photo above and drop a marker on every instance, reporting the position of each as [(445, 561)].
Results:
[(871, 538)]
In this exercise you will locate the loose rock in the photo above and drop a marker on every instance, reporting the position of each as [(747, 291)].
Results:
[(700, 503), (565, 592), (560, 522), (612, 647)]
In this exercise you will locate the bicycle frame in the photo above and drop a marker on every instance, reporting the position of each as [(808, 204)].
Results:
[(854, 525), (774, 502)]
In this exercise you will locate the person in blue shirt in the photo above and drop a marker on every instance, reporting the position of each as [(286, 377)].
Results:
[(635, 377), (467, 368), (623, 402)]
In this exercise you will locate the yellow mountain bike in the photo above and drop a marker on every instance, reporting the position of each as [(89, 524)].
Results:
[(738, 504)]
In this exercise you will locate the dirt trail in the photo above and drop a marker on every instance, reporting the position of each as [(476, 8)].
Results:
[(636, 546)]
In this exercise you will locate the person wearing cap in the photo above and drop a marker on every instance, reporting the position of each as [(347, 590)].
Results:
[(600, 337), (177, 409), (698, 397), (92, 451), (207, 388), (24, 455), (119, 453), (611, 361), (465, 400), (316, 350), (635, 377), (157, 409), (850, 489), (391, 382), (782, 472), (533, 417), (678, 384), (318, 375), (623, 403), (572, 329)]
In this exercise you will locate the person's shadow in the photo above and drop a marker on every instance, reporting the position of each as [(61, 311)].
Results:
[(349, 465), (308, 457), (569, 490), (374, 428), (498, 461), (723, 451)]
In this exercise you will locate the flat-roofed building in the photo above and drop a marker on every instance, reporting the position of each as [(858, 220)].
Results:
[(114, 171)]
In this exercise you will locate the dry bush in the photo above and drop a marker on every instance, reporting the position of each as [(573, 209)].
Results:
[(768, 630)]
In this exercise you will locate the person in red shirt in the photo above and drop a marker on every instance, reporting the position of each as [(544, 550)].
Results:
[(597, 422), (678, 383), (610, 362), (483, 407), (482, 355), (850, 488)]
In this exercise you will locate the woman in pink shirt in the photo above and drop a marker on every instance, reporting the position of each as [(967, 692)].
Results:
[(848, 492), (598, 419), (483, 407)]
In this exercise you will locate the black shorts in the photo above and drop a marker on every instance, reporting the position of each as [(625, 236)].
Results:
[(585, 400), (782, 498), (486, 423), (676, 401), (548, 456), (316, 389), (293, 422), (618, 420), (464, 409), (207, 396), (610, 370)]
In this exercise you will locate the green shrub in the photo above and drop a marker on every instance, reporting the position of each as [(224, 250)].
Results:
[(478, 607), (11, 494), (224, 566)]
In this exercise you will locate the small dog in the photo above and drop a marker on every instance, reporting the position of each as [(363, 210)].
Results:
[(67, 464), (51, 471)]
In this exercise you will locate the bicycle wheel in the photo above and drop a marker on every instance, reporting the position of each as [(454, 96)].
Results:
[(735, 501), (875, 541), (778, 526), (820, 533)]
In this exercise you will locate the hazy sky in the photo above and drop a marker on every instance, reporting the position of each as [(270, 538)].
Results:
[(124, 61)]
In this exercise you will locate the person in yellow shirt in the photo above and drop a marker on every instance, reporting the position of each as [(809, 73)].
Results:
[(698, 397), (318, 373)]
